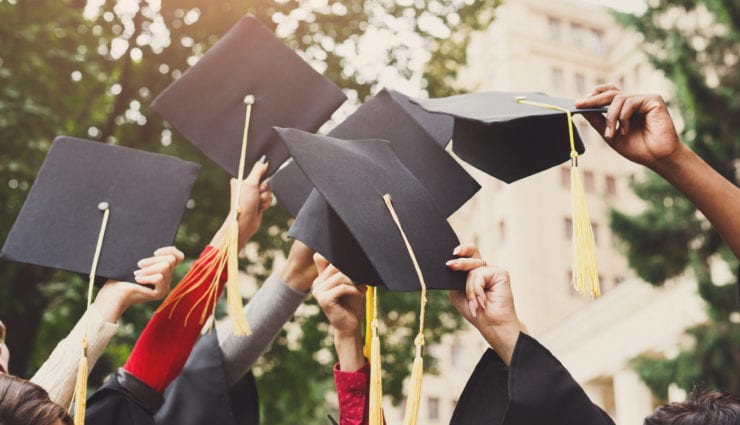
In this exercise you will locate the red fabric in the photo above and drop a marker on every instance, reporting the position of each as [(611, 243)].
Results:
[(165, 344), (352, 392)]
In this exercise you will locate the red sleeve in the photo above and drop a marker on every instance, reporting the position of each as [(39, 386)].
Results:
[(352, 392), (165, 344)]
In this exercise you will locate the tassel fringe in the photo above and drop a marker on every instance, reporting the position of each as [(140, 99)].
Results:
[(80, 394), (411, 416), (375, 411), (585, 267)]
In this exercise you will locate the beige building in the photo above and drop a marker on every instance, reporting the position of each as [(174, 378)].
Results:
[(563, 48)]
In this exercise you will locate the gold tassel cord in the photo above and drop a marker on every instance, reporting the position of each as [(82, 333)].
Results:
[(585, 266), (411, 416), (369, 317), (80, 392), (223, 257), (375, 409)]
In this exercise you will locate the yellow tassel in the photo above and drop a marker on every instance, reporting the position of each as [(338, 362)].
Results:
[(585, 267), (80, 394), (411, 416), (375, 410), (369, 317), (226, 256)]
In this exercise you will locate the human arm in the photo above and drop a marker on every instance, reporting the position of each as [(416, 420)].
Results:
[(273, 305), (640, 128), (58, 373), (165, 344), (343, 304)]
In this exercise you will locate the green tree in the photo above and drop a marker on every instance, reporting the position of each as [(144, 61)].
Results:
[(695, 44), (89, 69)]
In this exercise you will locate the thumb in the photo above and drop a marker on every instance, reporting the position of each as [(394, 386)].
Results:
[(321, 262)]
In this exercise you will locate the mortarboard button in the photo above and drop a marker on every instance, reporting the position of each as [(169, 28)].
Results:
[(249, 65)]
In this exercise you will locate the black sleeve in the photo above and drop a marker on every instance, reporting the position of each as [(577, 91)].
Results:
[(535, 389), (123, 400)]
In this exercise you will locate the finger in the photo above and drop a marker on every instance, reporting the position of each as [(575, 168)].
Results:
[(601, 88), (597, 100), (146, 262), (465, 264), (612, 115), (341, 291), (336, 280), (160, 267), (259, 169), (466, 250), (597, 121), (632, 105), (170, 250), (150, 279), (470, 294), (265, 200)]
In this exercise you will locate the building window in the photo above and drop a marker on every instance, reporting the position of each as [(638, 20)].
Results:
[(568, 222), (576, 34), (565, 177), (611, 186), (581, 84), (502, 231), (597, 41), (433, 406), (557, 78), (595, 230), (553, 28), (457, 356), (588, 181)]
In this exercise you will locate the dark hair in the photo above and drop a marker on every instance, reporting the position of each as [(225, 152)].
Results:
[(25, 403), (714, 408)]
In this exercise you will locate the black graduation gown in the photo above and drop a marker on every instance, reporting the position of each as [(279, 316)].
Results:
[(198, 396), (535, 389)]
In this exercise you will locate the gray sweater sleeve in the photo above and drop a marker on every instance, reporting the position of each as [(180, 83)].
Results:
[(267, 312)]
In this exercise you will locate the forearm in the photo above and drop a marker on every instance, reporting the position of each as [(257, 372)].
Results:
[(349, 351), (503, 339), (267, 312), (58, 373), (716, 197)]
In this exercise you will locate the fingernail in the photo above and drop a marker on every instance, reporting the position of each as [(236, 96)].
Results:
[(137, 278), (482, 302), (456, 250), (140, 263), (137, 273), (623, 131), (471, 306), (263, 159), (450, 263), (609, 132)]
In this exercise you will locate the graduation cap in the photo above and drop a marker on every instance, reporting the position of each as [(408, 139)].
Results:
[(228, 102), (417, 137), (514, 135), (249, 66), (391, 216), (98, 209), (59, 224)]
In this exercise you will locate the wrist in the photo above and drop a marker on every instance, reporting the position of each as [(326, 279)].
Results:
[(503, 338), (110, 305), (674, 162), (298, 274), (349, 351)]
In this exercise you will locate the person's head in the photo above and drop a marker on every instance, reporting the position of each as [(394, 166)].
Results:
[(714, 408), (22, 402)]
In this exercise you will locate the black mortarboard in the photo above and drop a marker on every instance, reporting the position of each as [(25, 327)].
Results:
[(416, 136), (59, 223), (207, 104), (497, 133), (353, 176)]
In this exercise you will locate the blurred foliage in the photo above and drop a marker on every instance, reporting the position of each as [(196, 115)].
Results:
[(696, 45), (90, 68)]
